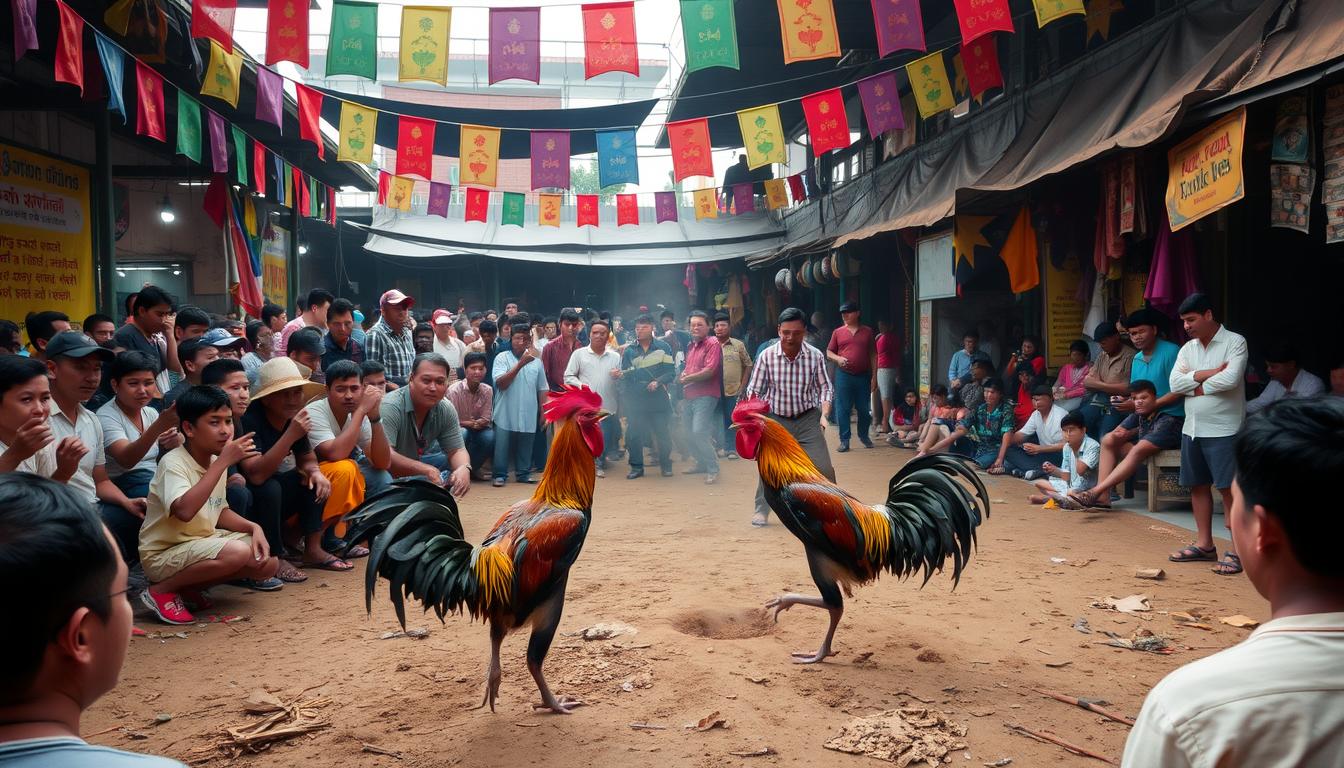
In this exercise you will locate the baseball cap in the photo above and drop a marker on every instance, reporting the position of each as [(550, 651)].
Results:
[(442, 317), (1145, 316), (395, 297), (849, 306), (75, 344), (1104, 331), (218, 337)]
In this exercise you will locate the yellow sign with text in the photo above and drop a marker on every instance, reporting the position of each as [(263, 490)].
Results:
[(1063, 311), (46, 241), (275, 267), (1204, 172)]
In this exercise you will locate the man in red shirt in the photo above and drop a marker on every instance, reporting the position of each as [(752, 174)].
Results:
[(852, 351), (554, 360), (888, 371), (702, 382)]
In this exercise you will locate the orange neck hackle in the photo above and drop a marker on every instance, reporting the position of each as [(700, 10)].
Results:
[(570, 474), (781, 460)]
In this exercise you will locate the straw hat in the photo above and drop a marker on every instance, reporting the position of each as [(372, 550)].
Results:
[(281, 373)]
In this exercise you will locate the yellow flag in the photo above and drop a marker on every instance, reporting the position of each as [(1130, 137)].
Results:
[(1050, 10), (706, 204), (359, 126), (221, 76), (399, 196), (807, 30), (776, 194), (548, 210), (479, 153), (928, 81), (249, 216), (762, 135), (424, 44)]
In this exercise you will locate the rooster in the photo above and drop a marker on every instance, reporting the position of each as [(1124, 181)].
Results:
[(928, 517), (517, 575)]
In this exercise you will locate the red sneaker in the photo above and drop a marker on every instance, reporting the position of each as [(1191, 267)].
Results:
[(167, 606)]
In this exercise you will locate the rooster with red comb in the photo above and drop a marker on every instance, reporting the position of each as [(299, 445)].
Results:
[(930, 515), (517, 576)]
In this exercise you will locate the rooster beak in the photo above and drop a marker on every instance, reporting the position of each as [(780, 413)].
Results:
[(601, 414), (734, 426)]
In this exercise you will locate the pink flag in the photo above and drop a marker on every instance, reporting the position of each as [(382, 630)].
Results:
[(550, 159), (900, 26), (219, 151), (743, 200), (881, 103), (515, 48), (25, 26), (270, 92), (438, 199), (665, 206)]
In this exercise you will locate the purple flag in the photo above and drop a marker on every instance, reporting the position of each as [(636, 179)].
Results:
[(25, 26), (219, 151), (438, 199), (550, 159), (900, 26), (515, 48), (665, 206), (881, 103), (270, 91), (742, 198)]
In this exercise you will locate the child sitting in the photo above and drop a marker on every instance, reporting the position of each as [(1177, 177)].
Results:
[(190, 539), (936, 412), (905, 416), (1077, 470)]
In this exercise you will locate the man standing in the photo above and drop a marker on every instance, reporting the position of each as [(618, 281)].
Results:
[(791, 378), (423, 429), (1108, 378), (554, 361), (1286, 379), (598, 366), (888, 372), (702, 381), (736, 373), (520, 392), (1210, 371), (389, 341), (314, 314), (274, 316), (851, 349), (647, 369), (446, 342), (473, 400), (339, 343)]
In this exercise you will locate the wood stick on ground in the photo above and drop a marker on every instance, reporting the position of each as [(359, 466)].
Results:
[(648, 727), (377, 750), (1052, 739), (88, 736), (1085, 704)]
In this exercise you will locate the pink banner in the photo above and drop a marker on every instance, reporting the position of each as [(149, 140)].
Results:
[(881, 104), (550, 159), (900, 26), (515, 50), (219, 151), (270, 94), (743, 201)]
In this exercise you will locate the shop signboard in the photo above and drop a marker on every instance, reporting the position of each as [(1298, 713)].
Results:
[(46, 241), (1063, 311), (925, 348), (937, 276), (1204, 172), (275, 266)]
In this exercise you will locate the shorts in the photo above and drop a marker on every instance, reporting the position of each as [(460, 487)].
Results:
[(1165, 433), (177, 558), (886, 383), (1208, 461)]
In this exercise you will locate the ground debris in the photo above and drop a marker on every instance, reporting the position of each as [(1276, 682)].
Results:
[(762, 752), (901, 736), (1081, 625), (603, 631), (1156, 574), (419, 633), (1130, 604), (295, 717), (930, 655), (999, 763), (1141, 640), (709, 722), (1240, 621)]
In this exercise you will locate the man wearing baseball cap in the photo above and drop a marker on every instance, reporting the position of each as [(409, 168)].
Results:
[(1109, 377), (855, 355), (447, 344), (389, 342)]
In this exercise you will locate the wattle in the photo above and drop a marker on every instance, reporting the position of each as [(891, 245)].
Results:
[(592, 435)]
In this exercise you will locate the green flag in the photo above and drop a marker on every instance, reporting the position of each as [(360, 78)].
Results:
[(188, 126), (352, 48), (240, 154), (711, 34), (513, 208)]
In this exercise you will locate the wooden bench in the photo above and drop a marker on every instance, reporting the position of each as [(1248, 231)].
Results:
[(1164, 486)]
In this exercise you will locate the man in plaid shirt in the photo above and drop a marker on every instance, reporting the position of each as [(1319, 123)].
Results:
[(791, 377), (389, 341)]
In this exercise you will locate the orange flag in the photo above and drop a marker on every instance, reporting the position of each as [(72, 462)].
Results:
[(478, 149), (690, 148), (1019, 254), (775, 194), (548, 210), (807, 29), (706, 204)]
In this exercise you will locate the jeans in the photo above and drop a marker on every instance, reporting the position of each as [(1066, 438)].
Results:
[(375, 479), (851, 391), (541, 446), (647, 429), (611, 430), (726, 405), (1098, 415), (279, 498), (480, 445), (702, 417), (517, 445), (1018, 459), (806, 429)]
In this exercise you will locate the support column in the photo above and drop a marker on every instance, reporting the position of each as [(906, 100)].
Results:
[(292, 258), (103, 215)]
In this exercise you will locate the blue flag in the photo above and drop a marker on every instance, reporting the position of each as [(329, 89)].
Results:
[(114, 68), (617, 162)]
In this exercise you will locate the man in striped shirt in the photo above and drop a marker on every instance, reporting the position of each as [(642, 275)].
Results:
[(389, 341), (791, 377)]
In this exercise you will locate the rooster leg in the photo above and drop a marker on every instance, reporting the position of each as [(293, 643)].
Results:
[(498, 630), (830, 599), (545, 621)]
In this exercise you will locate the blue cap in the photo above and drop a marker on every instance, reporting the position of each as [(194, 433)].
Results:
[(218, 337)]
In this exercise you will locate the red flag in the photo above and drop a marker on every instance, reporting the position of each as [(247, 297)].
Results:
[(609, 39), (310, 111), (587, 213), (796, 188), (981, 61), (690, 148), (216, 201), (301, 192), (70, 48), (149, 102), (384, 186), (478, 204), (214, 19), (980, 17), (627, 210), (826, 123), (287, 31), (331, 206), (259, 167), (415, 147)]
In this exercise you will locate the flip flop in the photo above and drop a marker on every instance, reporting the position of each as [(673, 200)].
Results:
[(331, 564), (357, 551), (289, 574), (1194, 554), (759, 521), (1230, 565)]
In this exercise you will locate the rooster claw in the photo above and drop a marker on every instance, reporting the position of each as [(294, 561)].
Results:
[(804, 657), (563, 706)]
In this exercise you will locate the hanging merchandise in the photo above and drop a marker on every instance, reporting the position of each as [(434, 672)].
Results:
[(399, 195), (219, 150), (149, 103), (1332, 146), (239, 154), (691, 150), (70, 48), (827, 126), (762, 136), (439, 195), (981, 61), (617, 162), (515, 47), (743, 200), (585, 210), (664, 207), (706, 204), (270, 97), (776, 196), (899, 25), (548, 210), (929, 83), (627, 210), (881, 103), (710, 32), (114, 72), (1290, 187), (358, 127), (478, 204), (310, 111), (1133, 212), (1292, 131), (1053, 10), (550, 159), (415, 147), (221, 76), (287, 32), (511, 210), (980, 17), (609, 39), (479, 150), (331, 206), (352, 47), (214, 19), (807, 30), (188, 127), (424, 44)]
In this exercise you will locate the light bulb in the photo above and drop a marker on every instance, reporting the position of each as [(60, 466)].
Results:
[(166, 212)]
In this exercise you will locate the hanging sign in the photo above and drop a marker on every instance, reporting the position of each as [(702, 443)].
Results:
[(399, 195), (691, 152), (807, 30), (616, 159), (586, 210), (358, 126), (548, 210), (743, 200), (776, 194), (710, 32), (762, 135), (980, 17), (424, 44), (439, 195), (899, 24), (479, 155), (881, 104), (609, 39), (706, 204), (1204, 172), (511, 211), (664, 207), (550, 159), (627, 210), (478, 204), (287, 32), (827, 126), (415, 147), (981, 61), (221, 76), (929, 83), (515, 48), (352, 47)]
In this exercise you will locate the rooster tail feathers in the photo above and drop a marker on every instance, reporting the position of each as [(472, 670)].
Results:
[(933, 516)]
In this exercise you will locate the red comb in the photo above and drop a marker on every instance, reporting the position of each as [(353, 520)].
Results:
[(746, 409), (562, 405)]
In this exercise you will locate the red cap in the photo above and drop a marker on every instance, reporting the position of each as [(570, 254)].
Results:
[(442, 317), (395, 297)]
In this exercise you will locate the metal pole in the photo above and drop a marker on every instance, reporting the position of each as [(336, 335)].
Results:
[(292, 273), (104, 242)]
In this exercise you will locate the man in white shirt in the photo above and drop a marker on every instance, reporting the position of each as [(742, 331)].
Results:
[(447, 344), (1210, 371), (345, 428), (1285, 379), (1040, 440), (1276, 700), (598, 367)]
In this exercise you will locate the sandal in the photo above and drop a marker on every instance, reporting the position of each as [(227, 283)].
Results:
[(357, 551), (1230, 565), (332, 563), (996, 471), (759, 521), (1088, 500), (289, 574), (1194, 554)]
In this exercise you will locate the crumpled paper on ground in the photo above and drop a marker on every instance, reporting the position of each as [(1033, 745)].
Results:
[(901, 736)]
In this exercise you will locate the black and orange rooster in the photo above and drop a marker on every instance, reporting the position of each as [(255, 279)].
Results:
[(517, 575), (928, 517)]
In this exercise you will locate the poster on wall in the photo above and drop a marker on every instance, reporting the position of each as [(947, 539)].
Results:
[(1204, 172), (1063, 311), (925, 347), (937, 277), (1290, 196), (275, 266), (1332, 178), (46, 241), (1292, 131)]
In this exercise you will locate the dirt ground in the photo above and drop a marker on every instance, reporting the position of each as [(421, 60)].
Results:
[(677, 560)]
